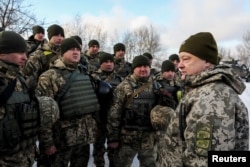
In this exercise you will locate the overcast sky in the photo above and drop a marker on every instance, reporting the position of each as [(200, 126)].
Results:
[(175, 20)]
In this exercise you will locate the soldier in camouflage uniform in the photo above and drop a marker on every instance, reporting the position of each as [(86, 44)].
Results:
[(176, 60), (92, 55), (19, 115), (72, 88), (40, 60), (210, 115), (107, 74), (153, 71), (161, 114), (129, 126), (122, 67), (36, 39)]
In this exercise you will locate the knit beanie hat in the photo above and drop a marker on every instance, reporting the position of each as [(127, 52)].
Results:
[(37, 29), (68, 44), (174, 57), (202, 45), (11, 42), (167, 65), (140, 61), (106, 56), (93, 42), (55, 30), (119, 46), (76, 37), (148, 55)]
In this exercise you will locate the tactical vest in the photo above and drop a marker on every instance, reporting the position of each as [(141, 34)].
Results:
[(112, 81), (123, 70), (80, 99), (137, 117), (18, 129)]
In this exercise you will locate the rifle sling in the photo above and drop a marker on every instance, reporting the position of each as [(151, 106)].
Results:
[(140, 89)]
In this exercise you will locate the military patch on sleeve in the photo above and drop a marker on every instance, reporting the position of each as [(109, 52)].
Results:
[(46, 53), (203, 139)]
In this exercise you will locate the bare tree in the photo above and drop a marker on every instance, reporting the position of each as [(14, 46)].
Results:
[(16, 16), (143, 39), (244, 49), (225, 54), (87, 32)]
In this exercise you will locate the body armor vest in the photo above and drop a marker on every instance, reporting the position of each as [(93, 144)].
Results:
[(137, 117), (112, 81), (80, 98), (124, 69), (18, 129)]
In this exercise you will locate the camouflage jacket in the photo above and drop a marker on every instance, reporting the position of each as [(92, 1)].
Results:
[(8, 73), (93, 61), (210, 116), (115, 116), (63, 132), (39, 61), (122, 67), (104, 76), (33, 44)]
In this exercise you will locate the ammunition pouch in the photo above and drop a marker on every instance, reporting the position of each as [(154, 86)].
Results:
[(28, 117), (11, 133)]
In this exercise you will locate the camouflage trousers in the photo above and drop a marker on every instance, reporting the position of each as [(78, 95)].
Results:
[(167, 155), (100, 149), (126, 154), (78, 156), (20, 159)]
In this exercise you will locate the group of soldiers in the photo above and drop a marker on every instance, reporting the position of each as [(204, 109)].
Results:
[(66, 99)]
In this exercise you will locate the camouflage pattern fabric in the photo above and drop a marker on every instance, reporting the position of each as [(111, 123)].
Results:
[(33, 44), (212, 117), (81, 151), (160, 117), (99, 145), (131, 141), (123, 68), (65, 134), (39, 61), (93, 61), (22, 158)]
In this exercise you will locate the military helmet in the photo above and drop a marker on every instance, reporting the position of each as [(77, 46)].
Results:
[(160, 117)]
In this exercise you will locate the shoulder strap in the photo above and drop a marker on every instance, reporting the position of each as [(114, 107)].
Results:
[(7, 92), (67, 85), (140, 89)]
